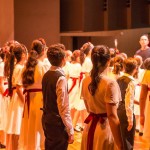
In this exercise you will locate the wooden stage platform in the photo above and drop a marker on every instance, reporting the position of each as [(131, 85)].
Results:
[(140, 143)]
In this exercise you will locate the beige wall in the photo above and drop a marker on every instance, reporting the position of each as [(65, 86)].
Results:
[(35, 19), (128, 40), (6, 21)]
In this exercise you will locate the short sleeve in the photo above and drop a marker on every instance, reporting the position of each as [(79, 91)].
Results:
[(113, 94), (146, 78), (1, 69), (17, 75)]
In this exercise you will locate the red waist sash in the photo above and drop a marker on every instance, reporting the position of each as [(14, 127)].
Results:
[(94, 118), (7, 93), (81, 77), (74, 80), (27, 96)]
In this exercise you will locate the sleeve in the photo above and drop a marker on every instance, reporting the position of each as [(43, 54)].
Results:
[(88, 65), (146, 78), (113, 94), (1, 69), (129, 101), (63, 104), (17, 76)]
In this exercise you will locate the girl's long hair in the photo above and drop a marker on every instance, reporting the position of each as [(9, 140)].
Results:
[(100, 56), (28, 74)]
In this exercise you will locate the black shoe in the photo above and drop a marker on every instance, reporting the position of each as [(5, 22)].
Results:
[(140, 133), (137, 130), (78, 129), (2, 146)]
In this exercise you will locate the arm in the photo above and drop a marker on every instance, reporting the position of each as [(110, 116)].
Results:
[(20, 93), (114, 124), (143, 96), (1, 85), (129, 102), (63, 106)]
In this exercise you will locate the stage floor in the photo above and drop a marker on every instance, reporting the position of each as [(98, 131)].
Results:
[(140, 143)]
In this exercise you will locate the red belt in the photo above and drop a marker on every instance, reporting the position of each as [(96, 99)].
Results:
[(81, 77), (95, 118), (27, 96), (74, 80), (7, 93)]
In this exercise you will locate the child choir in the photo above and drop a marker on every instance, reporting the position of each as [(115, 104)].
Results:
[(21, 73)]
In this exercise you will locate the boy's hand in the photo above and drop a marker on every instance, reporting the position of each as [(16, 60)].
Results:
[(71, 139), (129, 127)]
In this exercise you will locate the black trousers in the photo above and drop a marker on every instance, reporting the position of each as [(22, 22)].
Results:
[(56, 137), (127, 136)]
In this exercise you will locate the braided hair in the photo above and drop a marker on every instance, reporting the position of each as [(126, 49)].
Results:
[(100, 56)]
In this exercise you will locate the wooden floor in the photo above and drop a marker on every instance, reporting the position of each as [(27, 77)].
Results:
[(140, 143)]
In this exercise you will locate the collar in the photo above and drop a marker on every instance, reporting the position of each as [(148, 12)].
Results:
[(56, 68), (129, 76)]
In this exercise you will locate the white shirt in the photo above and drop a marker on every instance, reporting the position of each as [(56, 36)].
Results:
[(129, 98), (63, 100)]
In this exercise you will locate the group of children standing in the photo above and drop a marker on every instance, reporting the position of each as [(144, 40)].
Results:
[(45, 92)]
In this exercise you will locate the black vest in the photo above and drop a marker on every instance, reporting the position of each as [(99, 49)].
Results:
[(123, 84), (50, 109)]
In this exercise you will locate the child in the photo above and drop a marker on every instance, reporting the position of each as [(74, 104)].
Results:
[(56, 119), (125, 109)]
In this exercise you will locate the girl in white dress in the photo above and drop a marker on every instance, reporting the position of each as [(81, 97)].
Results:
[(3, 100), (86, 64), (101, 96), (32, 136), (138, 79), (18, 53), (73, 81)]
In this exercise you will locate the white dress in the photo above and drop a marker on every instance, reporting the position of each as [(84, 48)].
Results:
[(73, 84), (66, 68), (107, 92), (86, 68), (138, 91), (32, 135), (4, 101), (16, 106), (146, 81)]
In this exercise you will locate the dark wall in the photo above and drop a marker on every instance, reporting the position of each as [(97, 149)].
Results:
[(37, 18), (6, 21), (71, 15)]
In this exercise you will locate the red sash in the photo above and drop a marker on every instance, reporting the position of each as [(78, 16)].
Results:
[(74, 80), (95, 118), (27, 96), (7, 93), (81, 77)]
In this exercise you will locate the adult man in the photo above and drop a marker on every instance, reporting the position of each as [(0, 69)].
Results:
[(144, 51)]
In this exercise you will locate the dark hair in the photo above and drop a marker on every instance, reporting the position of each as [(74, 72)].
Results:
[(75, 55), (100, 56), (62, 46), (42, 41), (129, 65), (84, 51), (15, 53), (38, 46), (28, 74), (147, 63), (118, 64), (139, 60), (55, 54), (2, 53)]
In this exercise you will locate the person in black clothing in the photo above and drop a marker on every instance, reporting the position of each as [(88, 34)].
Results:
[(144, 51), (125, 109), (56, 120)]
